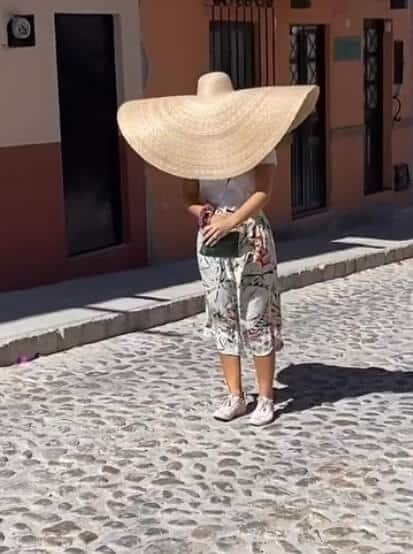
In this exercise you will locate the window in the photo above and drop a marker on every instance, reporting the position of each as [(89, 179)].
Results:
[(300, 4), (232, 51), (398, 4), (243, 41)]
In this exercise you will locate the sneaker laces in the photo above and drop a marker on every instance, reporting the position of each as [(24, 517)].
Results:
[(230, 400), (227, 402), (263, 403)]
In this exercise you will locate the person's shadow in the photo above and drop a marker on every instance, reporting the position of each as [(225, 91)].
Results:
[(309, 385)]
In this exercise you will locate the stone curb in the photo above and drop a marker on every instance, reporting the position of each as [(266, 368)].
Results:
[(56, 340)]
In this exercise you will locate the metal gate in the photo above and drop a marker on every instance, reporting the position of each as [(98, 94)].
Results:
[(373, 105), (308, 156), (242, 41)]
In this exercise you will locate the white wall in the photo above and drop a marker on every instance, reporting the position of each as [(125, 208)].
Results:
[(29, 105)]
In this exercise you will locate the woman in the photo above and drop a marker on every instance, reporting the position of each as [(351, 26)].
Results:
[(242, 297), (223, 143)]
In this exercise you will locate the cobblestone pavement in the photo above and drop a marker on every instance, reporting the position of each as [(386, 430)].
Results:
[(112, 448)]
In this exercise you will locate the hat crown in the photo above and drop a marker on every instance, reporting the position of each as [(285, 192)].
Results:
[(214, 84)]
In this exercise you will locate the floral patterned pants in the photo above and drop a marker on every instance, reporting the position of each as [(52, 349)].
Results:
[(242, 297)]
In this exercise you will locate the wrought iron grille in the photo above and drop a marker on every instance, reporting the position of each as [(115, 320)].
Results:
[(308, 161), (304, 46), (242, 40), (373, 105), (371, 69)]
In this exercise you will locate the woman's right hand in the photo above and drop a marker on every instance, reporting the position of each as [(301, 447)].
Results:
[(219, 226)]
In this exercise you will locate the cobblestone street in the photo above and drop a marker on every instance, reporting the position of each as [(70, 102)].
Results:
[(111, 448)]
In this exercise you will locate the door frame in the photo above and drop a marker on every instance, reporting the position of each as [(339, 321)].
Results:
[(132, 184)]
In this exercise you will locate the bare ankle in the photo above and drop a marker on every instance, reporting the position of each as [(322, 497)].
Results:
[(267, 395)]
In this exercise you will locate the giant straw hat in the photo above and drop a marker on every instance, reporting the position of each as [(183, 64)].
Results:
[(217, 133)]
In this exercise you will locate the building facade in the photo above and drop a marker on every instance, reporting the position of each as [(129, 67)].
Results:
[(351, 154), (76, 201), (72, 195)]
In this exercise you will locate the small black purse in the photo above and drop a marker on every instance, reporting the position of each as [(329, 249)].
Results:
[(227, 247)]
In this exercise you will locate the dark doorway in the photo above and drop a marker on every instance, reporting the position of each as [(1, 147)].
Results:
[(373, 105), (308, 156), (89, 137)]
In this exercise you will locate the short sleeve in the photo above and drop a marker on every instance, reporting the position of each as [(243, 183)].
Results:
[(271, 159)]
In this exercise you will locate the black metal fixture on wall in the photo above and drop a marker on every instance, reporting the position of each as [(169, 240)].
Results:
[(242, 40), (401, 177)]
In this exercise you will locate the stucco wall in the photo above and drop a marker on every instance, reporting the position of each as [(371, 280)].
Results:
[(176, 42), (29, 108), (32, 218)]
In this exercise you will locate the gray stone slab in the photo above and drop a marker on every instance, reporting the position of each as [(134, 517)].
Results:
[(112, 447)]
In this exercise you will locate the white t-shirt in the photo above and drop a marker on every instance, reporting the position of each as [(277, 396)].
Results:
[(232, 193)]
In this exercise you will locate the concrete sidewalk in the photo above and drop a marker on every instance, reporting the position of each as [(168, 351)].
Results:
[(57, 317)]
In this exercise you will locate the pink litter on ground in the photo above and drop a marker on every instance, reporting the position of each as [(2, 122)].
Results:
[(25, 359)]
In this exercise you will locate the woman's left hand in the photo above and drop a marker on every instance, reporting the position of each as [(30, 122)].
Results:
[(219, 226)]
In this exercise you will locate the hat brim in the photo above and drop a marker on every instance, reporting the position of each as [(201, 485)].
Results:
[(222, 137)]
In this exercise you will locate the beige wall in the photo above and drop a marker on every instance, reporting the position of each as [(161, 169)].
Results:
[(29, 108), (30, 154)]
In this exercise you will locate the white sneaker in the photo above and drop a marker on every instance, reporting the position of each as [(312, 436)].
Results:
[(263, 413), (233, 406)]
